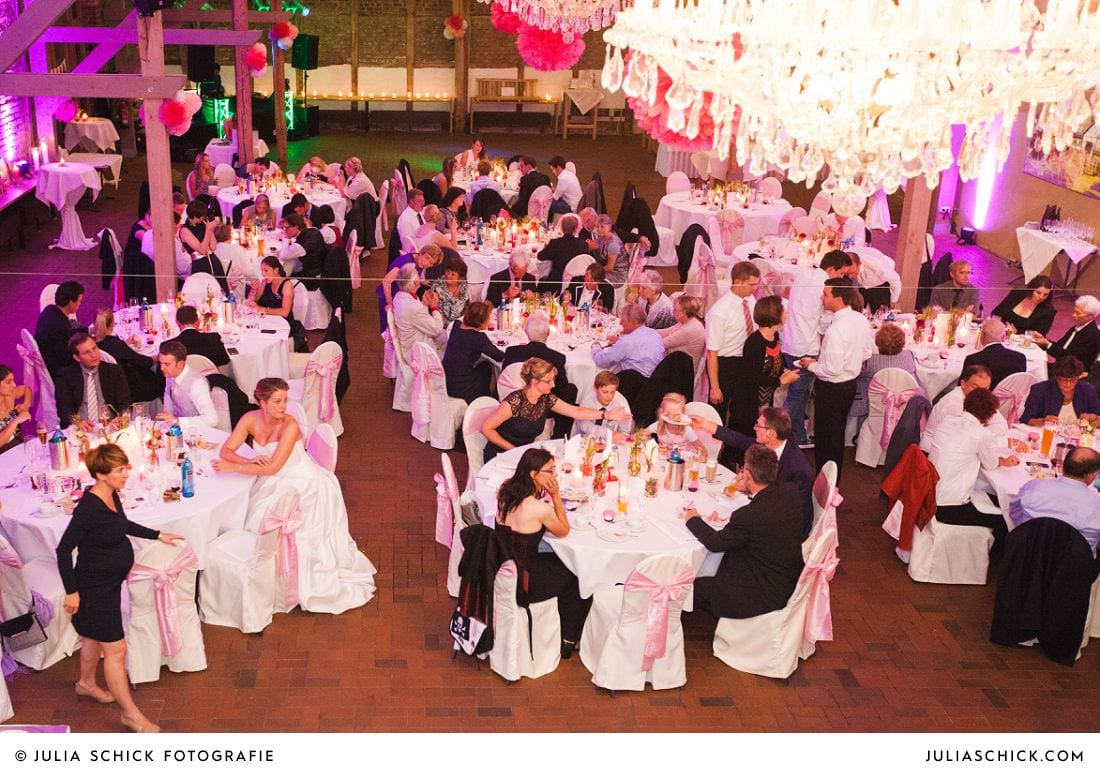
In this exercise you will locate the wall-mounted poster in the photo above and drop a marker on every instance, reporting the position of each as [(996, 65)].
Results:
[(1077, 167)]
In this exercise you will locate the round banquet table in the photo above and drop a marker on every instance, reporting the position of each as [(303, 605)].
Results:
[(677, 211), (222, 151), (96, 134), (62, 185), (510, 195), (601, 554), (254, 353), (487, 261), (228, 198), (220, 503), (936, 372)]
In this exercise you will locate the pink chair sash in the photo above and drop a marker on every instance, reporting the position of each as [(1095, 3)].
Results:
[(286, 556), (32, 366), (1012, 402), (892, 404), (707, 265), (444, 512), (164, 597), (354, 269), (326, 372), (423, 371), (637, 266), (8, 557), (728, 227), (656, 623), (818, 625)]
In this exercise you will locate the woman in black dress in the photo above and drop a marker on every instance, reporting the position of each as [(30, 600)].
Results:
[(467, 374), (1029, 308), (197, 238), (521, 416), (762, 367), (275, 295), (99, 530), (523, 515)]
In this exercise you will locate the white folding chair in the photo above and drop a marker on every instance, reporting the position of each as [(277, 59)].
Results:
[(770, 187), (322, 446), (198, 287), (317, 390), (618, 625), (677, 182), (890, 390), (19, 580), (162, 581), (576, 267), (706, 411), (517, 653), (46, 297), (435, 415), (479, 410)]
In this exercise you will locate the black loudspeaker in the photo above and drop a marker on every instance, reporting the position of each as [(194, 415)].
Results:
[(968, 236), (303, 56), (200, 63), (313, 120)]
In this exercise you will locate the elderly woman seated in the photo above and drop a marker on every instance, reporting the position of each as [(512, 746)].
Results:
[(1064, 399), (891, 353), (657, 305)]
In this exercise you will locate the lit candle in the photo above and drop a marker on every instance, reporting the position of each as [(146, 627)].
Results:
[(35, 159), (553, 330), (370, 95), (340, 94), (163, 310), (44, 149), (418, 95)]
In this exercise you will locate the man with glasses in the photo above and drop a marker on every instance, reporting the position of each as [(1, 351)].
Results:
[(773, 430)]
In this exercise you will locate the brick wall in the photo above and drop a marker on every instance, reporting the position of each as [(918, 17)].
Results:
[(15, 114)]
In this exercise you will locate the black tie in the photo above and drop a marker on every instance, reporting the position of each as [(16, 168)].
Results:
[(955, 300), (419, 219)]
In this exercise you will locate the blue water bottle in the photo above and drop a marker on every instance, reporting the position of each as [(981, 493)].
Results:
[(187, 471)]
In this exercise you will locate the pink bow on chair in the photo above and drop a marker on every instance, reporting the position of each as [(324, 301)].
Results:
[(164, 596), (1011, 402), (728, 225), (656, 623), (423, 371), (444, 512), (287, 555), (32, 366), (327, 372), (819, 611), (892, 403), (707, 265)]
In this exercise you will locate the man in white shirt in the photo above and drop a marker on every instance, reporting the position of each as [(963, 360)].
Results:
[(567, 190), (962, 448), (802, 334), (951, 405), (876, 277), (357, 181), (186, 393), (847, 343), (183, 257), (415, 319), (605, 395), (729, 324), (410, 220)]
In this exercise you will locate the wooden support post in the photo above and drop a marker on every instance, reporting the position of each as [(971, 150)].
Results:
[(244, 86), (277, 73), (911, 231), (354, 53), (158, 158), (410, 48), (462, 68)]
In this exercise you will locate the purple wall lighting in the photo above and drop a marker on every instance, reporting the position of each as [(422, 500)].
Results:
[(15, 114), (987, 181)]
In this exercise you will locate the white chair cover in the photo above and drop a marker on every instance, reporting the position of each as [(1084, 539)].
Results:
[(389, 356), (538, 206), (708, 412), (164, 628), (700, 161), (448, 522), (201, 364), (435, 416), (889, 391), (949, 554), (220, 398), (323, 447), (824, 490), (770, 187), (46, 297), (224, 176), (118, 292), (633, 633), (477, 280), (6, 709), (1012, 392), (108, 357), (354, 270), (402, 389), (786, 223), (509, 380), (310, 307), (666, 250), (198, 287), (771, 644), (398, 194), (821, 205), (516, 653), (318, 389), (37, 583), (241, 582), (702, 279), (677, 182), (719, 168), (772, 280), (576, 267), (731, 230), (855, 229), (382, 222), (479, 410)]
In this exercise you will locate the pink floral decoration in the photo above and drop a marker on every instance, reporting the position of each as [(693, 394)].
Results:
[(256, 59), (504, 20), (546, 50), (66, 111), (454, 26), (175, 117), (653, 119), (283, 34)]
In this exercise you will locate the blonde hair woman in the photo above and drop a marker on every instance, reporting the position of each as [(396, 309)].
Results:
[(141, 372), (429, 233), (201, 177)]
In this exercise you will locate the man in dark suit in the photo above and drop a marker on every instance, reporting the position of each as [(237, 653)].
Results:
[(308, 247), (537, 329), (532, 178), (773, 430), (209, 345), (993, 354), (591, 288), (85, 386), (1082, 340), (562, 250), (513, 281), (54, 327), (762, 544)]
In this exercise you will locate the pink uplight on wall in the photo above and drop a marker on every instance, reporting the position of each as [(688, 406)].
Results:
[(987, 182), (14, 111)]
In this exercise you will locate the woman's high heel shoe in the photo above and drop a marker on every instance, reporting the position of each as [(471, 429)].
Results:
[(138, 726)]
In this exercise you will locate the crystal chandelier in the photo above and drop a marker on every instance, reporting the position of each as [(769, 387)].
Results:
[(862, 92), (570, 17)]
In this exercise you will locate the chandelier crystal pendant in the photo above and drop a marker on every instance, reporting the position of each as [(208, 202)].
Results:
[(862, 92), (572, 18)]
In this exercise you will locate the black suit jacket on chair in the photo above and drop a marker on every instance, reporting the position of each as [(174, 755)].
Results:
[(209, 345), (527, 185), (763, 553), (69, 388), (605, 293), (1000, 360), (502, 280), (559, 252), (52, 333)]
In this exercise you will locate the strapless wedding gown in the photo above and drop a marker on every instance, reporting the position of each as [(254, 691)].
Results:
[(333, 575)]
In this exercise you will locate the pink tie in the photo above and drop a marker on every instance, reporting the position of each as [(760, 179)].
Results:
[(748, 316)]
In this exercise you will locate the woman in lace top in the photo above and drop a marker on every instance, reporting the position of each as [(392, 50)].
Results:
[(15, 405), (452, 291)]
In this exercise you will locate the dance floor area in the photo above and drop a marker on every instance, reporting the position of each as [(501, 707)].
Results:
[(907, 657)]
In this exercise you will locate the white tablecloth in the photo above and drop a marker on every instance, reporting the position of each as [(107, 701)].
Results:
[(112, 161), (222, 151), (1039, 248), (220, 503), (92, 133), (599, 563), (510, 195), (228, 198), (62, 185), (584, 99), (670, 160), (580, 368), (935, 373), (677, 212)]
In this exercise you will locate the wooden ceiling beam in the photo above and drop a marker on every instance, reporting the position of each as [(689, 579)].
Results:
[(187, 16), (83, 85), (124, 36), (28, 27)]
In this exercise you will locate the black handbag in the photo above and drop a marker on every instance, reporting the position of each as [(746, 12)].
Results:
[(22, 632)]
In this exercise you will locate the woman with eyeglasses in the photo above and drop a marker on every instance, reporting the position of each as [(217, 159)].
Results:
[(521, 416), (528, 505)]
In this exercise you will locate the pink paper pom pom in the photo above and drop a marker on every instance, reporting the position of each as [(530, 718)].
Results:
[(547, 51), (66, 111), (504, 20)]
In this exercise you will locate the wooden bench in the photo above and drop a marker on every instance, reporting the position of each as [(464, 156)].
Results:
[(510, 91)]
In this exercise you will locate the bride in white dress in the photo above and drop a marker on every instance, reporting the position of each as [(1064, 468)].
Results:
[(333, 576)]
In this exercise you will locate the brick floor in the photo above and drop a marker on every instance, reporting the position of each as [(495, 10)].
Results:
[(906, 656)]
